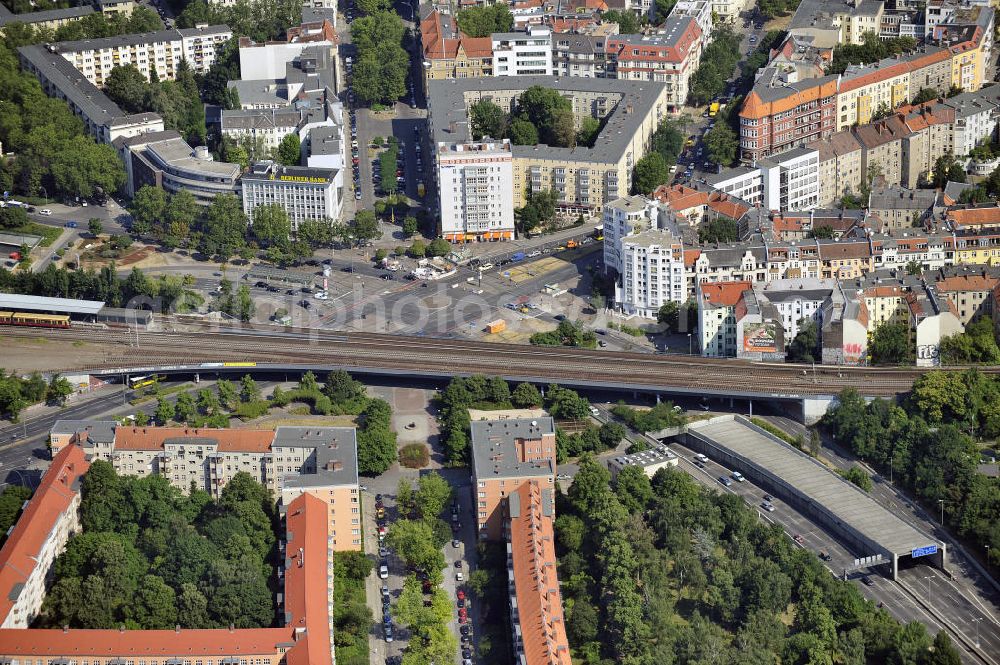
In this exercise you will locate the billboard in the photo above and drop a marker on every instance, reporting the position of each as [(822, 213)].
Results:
[(760, 338)]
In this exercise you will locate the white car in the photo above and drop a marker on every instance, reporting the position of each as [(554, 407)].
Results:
[(738, 477), (486, 266), (383, 572), (45, 211), (535, 253), (594, 411), (321, 295), (459, 577)]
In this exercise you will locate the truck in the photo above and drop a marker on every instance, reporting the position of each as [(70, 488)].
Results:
[(497, 326), (517, 256), (421, 190), (713, 109), (570, 244)]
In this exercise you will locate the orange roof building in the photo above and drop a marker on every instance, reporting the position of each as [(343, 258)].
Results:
[(537, 610), (449, 53), (974, 217), (305, 639), (39, 536)]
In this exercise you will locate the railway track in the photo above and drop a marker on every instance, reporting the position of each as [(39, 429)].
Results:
[(202, 342)]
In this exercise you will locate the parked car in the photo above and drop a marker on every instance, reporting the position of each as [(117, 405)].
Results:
[(45, 211), (383, 572), (71, 225)]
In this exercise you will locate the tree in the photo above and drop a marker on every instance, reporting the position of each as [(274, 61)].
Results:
[(433, 493), (722, 144), (249, 392), (373, 6), (271, 225), (523, 132), (244, 304), (487, 119), (58, 390), (946, 168), (925, 95), (95, 227), (540, 207), (890, 344), (590, 484), (649, 173), (802, 348), (127, 87), (148, 208), (164, 411), (610, 434), (858, 476), (366, 227), (590, 127), (484, 20), (227, 393), (223, 227), (627, 22), (669, 315), (290, 150), (525, 396), (633, 489), (11, 501), (718, 230), (413, 542), (438, 247), (185, 409)]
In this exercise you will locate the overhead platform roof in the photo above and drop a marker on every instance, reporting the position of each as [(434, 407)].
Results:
[(22, 303), (815, 482)]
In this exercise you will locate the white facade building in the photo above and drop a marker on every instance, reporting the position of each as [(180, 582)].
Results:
[(652, 273), (305, 193), (790, 180), (476, 183), (159, 52), (523, 53), (622, 218), (699, 10), (975, 120), (743, 182)]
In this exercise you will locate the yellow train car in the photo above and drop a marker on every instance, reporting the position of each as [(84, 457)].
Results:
[(32, 319)]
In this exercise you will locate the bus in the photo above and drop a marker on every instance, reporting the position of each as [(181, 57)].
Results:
[(137, 382), (599, 232)]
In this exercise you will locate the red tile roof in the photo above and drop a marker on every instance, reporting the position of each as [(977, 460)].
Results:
[(51, 500), (981, 216), (228, 440), (967, 283), (536, 583), (138, 643), (306, 579), (724, 294)]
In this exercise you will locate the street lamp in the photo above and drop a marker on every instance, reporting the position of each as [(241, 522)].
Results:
[(927, 586), (942, 502), (976, 621), (690, 348)]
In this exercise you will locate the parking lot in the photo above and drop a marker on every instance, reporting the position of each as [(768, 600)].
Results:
[(388, 639)]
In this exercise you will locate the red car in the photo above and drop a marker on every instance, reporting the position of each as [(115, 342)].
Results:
[(462, 619), (462, 612), (461, 595)]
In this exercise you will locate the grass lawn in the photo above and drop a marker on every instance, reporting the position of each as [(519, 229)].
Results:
[(346, 591), (49, 233)]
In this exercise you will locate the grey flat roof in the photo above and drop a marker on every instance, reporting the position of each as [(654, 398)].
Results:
[(138, 38), (336, 454), (176, 152), (98, 430), (7, 16), (449, 110), (18, 239), (645, 458), (265, 272), (93, 103), (17, 301), (818, 484), (493, 451)]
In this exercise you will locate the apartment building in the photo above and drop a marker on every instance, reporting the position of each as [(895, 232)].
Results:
[(48, 521), (450, 54), (102, 118), (784, 111), (289, 461), (779, 114), (790, 180), (49, 19), (901, 208), (839, 166), (976, 116), (730, 10), (622, 218), (583, 178), (837, 21), (305, 193), (699, 10), (970, 291), (671, 55), (743, 182), (537, 619), (305, 604), (270, 60), (652, 273), (506, 455), (476, 183), (581, 54), (527, 53), (717, 318), (265, 128), (157, 52)]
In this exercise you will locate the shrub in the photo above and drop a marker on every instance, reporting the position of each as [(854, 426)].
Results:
[(414, 456)]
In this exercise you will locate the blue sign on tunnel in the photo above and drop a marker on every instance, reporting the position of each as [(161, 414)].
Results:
[(924, 551)]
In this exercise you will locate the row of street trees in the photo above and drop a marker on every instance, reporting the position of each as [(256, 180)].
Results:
[(382, 62)]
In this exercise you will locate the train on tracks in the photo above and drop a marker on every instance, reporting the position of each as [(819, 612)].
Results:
[(34, 320)]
